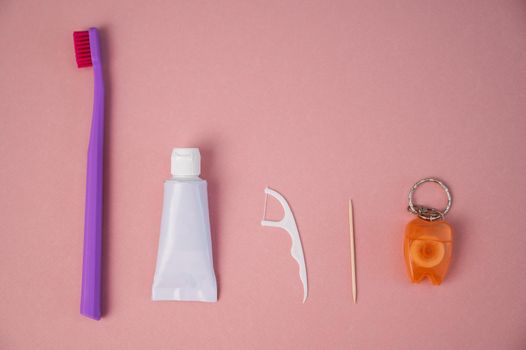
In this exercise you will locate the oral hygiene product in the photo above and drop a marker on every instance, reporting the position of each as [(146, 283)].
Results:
[(353, 252), (87, 54), (428, 241), (288, 224), (185, 269)]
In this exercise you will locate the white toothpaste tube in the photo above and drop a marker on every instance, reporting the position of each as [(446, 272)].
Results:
[(185, 269)]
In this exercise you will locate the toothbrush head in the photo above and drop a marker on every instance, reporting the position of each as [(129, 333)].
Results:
[(81, 41)]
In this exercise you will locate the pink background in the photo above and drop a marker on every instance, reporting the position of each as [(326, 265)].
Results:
[(323, 101)]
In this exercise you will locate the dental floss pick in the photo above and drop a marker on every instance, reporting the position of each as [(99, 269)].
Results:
[(288, 224)]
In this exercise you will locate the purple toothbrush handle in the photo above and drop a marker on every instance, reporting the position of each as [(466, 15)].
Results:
[(91, 264)]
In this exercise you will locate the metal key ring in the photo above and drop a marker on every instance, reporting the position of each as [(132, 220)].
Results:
[(429, 214)]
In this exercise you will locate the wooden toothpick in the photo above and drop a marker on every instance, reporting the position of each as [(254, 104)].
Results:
[(353, 257)]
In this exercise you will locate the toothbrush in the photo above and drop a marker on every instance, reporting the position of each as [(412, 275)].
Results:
[(87, 54)]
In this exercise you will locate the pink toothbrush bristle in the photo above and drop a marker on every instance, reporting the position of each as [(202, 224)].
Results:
[(82, 49)]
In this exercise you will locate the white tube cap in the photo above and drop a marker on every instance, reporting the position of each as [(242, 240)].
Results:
[(186, 162)]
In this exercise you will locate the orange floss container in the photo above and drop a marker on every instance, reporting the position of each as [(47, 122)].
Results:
[(428, 239)]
